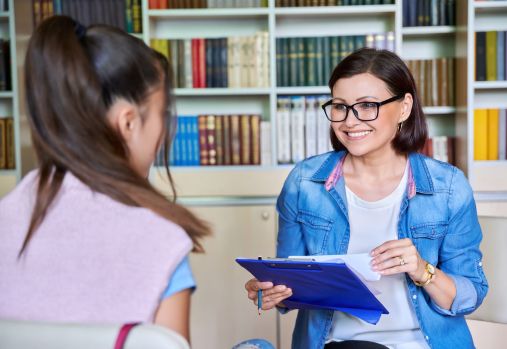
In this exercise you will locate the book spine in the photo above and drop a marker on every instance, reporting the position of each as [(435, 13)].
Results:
[(3, 143), (283, 130), (480, 56), (129, 20), (219, 139), (235, 140), (491, 42), (500, 59), (10, 148), (480, 134), (310, 126), (255, 124), (211, 139), (203, 140), (297, 115), (323, 128), (493, 116), (502, 135), (227, 140), (265, 129), (246, 140)]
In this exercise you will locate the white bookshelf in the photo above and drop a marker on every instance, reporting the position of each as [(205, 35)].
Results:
[(487, 177), (9, 104)]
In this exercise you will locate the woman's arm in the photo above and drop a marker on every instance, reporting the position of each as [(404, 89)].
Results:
[(174, 313)]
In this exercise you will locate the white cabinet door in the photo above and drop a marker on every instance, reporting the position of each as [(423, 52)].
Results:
[(222, 315)]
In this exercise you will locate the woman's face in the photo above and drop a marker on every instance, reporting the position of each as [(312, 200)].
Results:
[(367, 137), (148, 133)]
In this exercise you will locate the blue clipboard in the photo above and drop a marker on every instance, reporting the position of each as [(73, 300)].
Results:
[(318, 285)]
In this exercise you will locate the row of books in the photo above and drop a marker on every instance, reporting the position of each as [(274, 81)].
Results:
[(174, 4), (308, 61), (7, 143), (302, 129), (440, 148), (209, 140), (124, 14), (5, 65), (299, 3), (490, 133), (429, 12), (221, 62), (4, 5), (434, 79), (491, 56)]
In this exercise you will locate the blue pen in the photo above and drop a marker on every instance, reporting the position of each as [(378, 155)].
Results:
[(259, 301), (259, 296)]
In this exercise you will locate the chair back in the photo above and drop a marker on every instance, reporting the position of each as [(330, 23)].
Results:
[(38, 335), (494, 249)]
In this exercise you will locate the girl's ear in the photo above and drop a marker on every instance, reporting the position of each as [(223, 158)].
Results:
[(124, 117), (406, 107)]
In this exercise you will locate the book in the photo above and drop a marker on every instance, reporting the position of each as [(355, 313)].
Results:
[(3, 143), (491, 48), (266, 149), (480, 134), (502, 135), (255, 136), (9, 140), (297, 136), (493, 116), (245, 140), (283, 122), (235, 140)]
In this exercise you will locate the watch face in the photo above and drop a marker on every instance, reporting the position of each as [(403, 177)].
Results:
[(430, 268)]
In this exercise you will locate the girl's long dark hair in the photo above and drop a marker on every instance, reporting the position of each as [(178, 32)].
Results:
[(72, 77)]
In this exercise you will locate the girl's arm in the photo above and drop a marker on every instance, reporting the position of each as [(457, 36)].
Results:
[(174, 313)]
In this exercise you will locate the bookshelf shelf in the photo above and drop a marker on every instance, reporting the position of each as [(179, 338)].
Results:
[(480, 85), (487, 6), (362, 10), (424, 31), (213, 12), (221, 91), (6, 94), (4, 14), (303, 90), (439, 110), (8, 173)]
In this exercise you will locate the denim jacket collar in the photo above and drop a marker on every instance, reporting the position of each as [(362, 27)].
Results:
[(419, 178)]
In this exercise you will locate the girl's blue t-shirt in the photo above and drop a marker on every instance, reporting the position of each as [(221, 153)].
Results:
[(181, 279)]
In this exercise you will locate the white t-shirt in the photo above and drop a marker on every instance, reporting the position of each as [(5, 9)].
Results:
[(371, 224)]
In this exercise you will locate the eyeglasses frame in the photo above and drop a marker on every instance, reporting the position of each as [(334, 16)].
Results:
[(355, 112)]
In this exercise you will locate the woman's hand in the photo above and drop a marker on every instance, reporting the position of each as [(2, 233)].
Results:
[(398, 256), (271, 295)]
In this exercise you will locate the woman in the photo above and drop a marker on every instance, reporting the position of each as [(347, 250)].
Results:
[(415, 216)]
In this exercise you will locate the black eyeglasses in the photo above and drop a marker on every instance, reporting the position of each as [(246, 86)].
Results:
[(363, 111)]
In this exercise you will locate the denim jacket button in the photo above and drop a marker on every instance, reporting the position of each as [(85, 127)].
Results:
[(414, 296), (427, 338), (480, 264)]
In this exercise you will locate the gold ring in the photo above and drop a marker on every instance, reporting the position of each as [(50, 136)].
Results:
[(402, 261)]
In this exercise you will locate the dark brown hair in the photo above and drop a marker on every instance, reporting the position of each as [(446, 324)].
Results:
[(72, 76), (389, 68)]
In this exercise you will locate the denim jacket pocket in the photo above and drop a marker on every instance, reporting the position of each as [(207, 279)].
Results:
[(427, 238), (315, 231)]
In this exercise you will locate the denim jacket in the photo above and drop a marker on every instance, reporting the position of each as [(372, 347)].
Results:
[(437, 212)]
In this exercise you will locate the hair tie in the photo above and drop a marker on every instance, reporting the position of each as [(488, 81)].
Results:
[(80, 30)]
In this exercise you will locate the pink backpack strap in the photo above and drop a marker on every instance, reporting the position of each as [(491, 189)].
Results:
[(123, 333)]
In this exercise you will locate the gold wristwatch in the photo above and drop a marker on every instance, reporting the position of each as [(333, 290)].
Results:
[(429, 272)]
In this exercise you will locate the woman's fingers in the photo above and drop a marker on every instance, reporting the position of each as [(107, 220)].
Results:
[(272, 301)]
